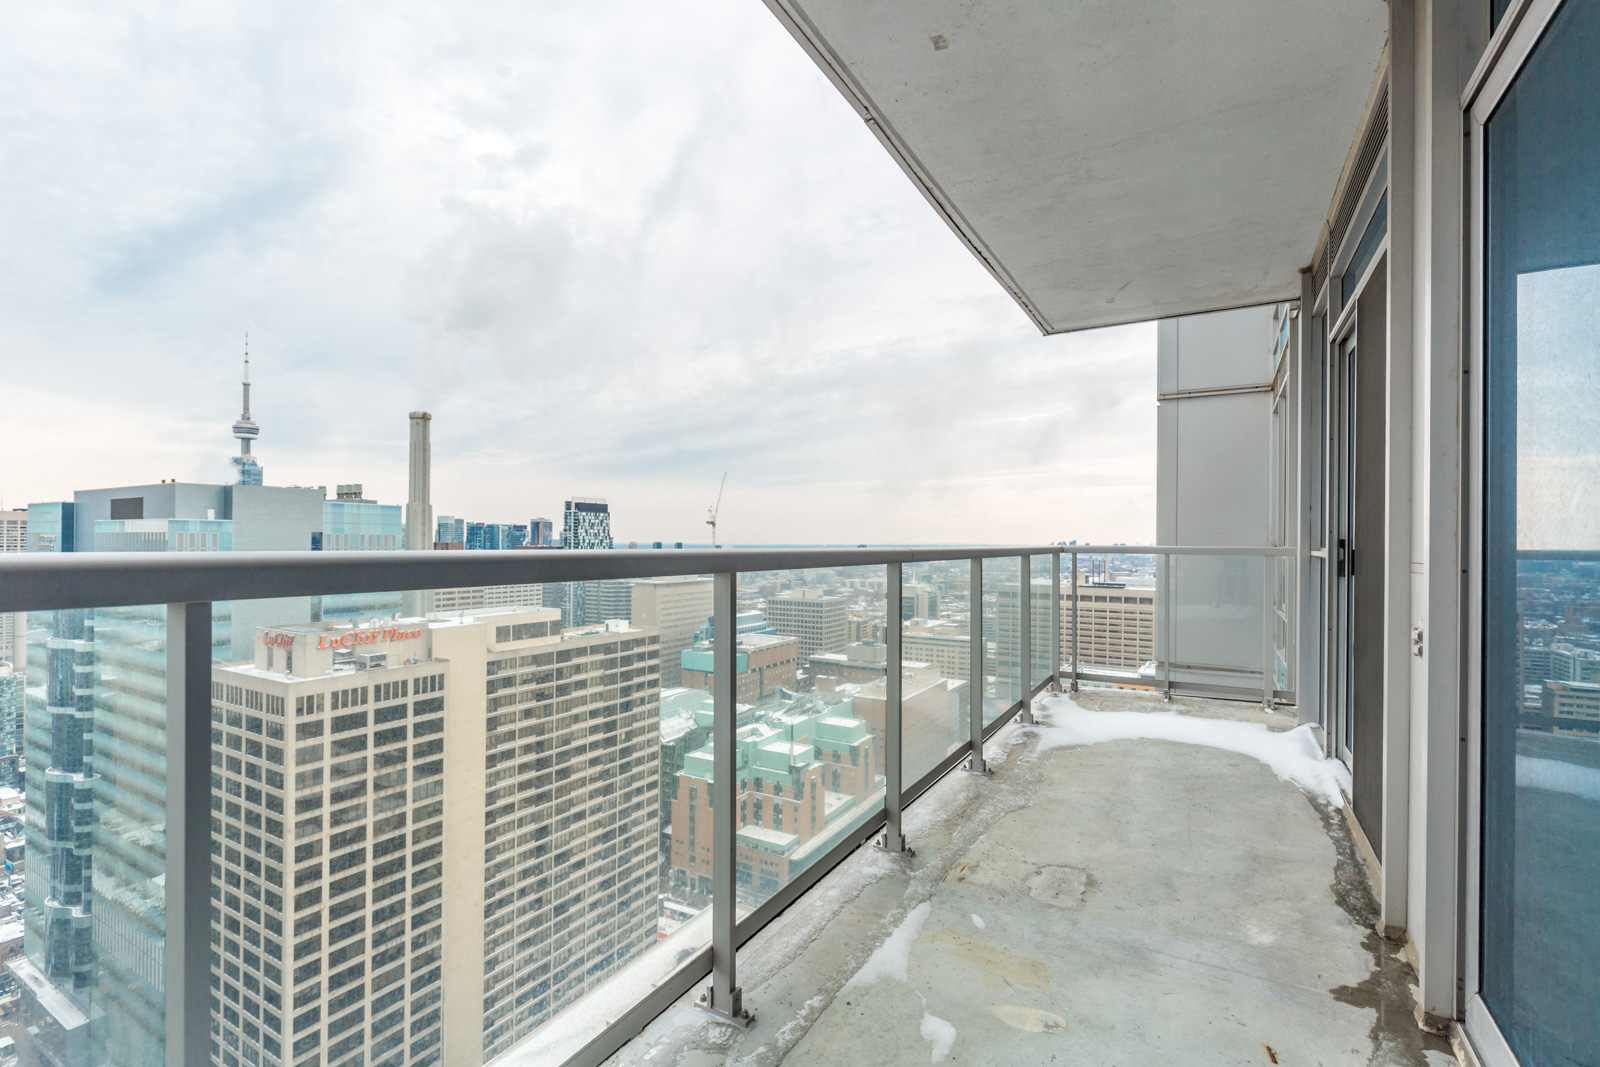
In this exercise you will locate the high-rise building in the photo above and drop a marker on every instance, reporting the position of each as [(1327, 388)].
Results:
[(815, 617), (919, 602), (943, 646), (586, 523), (13, 625), (450, 531), (51, 527), (1009, 669), (676, 608), (95, 745), (541, 533), (562, 777), (346, 749), (932, 716), (245, 429), (1117, 624), (11, 720), (352, 523), (328, 878)]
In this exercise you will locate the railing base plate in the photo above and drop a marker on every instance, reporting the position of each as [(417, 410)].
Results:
[(739, 1017)]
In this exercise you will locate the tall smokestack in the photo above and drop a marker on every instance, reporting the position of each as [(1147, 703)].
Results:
[(419, 506)]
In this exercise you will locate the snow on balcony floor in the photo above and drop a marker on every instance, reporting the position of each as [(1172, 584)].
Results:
[(1130, 887)]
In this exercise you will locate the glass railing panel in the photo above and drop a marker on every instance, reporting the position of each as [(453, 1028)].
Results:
[(1002, 623), (1118, 619), (1217, 615), (937, 650), (1284, 633), (91, 971), (812, 675), (1042, 579), (472, 839)]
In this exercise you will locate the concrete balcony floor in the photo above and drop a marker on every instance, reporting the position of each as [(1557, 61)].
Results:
[(1132, 901)]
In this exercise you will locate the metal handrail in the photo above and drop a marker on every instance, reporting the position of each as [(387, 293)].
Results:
[(44, 581)]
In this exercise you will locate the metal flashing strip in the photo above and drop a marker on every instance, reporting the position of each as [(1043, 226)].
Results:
[(1221, 390)]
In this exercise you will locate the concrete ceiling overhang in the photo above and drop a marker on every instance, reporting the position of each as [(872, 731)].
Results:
[(1113, 161)]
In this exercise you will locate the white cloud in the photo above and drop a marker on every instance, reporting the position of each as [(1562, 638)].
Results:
[(616, 247)]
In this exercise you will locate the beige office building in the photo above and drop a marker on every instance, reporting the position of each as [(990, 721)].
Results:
[(1117, 625), (675, 608), (818, 619), (944, 647), (344, 751)]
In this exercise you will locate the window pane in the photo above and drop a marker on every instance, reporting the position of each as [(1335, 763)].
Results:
[(1541, 697)]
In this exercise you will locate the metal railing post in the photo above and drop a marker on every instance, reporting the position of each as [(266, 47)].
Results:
[(892, 840), (975, 762), (723, 998), (188, 839), (1167, 629), (1269, 618), (1074, 622), (1055, 623), (1025, 615)]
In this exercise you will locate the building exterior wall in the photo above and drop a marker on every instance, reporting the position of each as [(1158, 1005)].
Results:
[(1118, 626), (676, 608), (816, 618), (1213, 469), (766, 664), (945, 648)]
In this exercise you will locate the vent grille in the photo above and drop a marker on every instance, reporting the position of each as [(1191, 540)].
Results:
[(1372, 142)]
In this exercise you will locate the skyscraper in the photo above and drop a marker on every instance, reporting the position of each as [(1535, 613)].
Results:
[(541, 533), (586, 523), (13, 538), (246, 430), (815, 617)]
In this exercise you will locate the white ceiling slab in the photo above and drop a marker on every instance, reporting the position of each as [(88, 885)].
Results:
[(1113, 160)]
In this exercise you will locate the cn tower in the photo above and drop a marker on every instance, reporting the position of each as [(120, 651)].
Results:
[(246, 430)]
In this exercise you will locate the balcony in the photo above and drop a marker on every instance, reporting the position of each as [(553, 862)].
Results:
[(357, 739)]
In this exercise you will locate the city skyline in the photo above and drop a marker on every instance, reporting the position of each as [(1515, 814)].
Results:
[(572, 291)]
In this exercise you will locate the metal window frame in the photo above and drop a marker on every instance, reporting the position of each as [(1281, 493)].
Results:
[(1514, 40)]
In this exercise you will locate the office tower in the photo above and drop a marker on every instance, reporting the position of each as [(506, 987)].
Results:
[(513, 536), (815, 617), (586, 523), (1116, 623), (450, 531), (592, 603), (919, 602), (943, 646), (245, 429), (766, 663), (10, 723), (329, 874), (91, 970), (675, 607), (541, 533), (1010, 672), (51, 527), (352, 523), (563, 779), (13, 625)]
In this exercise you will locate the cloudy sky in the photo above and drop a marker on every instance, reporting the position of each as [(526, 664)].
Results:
[(616, 247)]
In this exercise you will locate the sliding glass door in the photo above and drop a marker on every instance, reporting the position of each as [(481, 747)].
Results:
[(1539, 962)]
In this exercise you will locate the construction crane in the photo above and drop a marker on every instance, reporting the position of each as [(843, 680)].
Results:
[(711, 512)]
